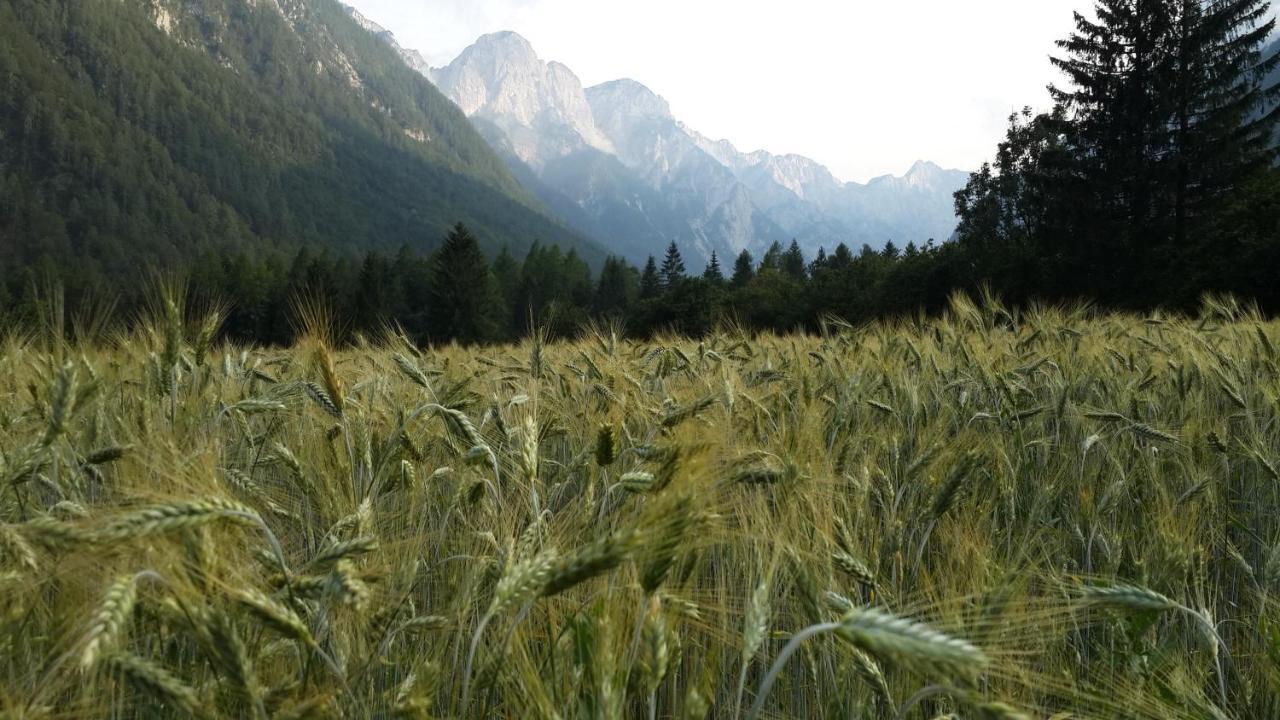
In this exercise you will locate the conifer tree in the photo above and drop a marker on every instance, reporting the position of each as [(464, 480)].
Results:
[(672, 267), (713, 273), (772, 259), (464, 298), (615, 289), (650, 283), (793, 261), (1223, 117), (743, 270)]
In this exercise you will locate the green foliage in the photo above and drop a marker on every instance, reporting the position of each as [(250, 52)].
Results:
[(236, 131), (463, 293), (1119, 193)]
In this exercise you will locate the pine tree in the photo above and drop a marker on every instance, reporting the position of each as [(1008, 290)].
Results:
[(1165, 116), (743, 270), (772, 259), (793, 261), (615, 289), (672, 267), (1223, 121), (506, 274), (713, 272), (463, 293), (650, 283), (820, 261)]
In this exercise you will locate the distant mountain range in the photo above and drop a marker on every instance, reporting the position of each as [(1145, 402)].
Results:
[(139, 132), (613, 162)]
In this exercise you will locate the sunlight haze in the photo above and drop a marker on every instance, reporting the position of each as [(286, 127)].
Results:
[(866, 88)]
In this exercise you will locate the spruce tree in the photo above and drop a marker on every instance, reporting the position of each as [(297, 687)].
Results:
[(1223, 118), (464, 298), (615, 289), (672, 267), (1166, 118), (743, 270), (713, 272), (793, 261), (772, 259), (650, 283)]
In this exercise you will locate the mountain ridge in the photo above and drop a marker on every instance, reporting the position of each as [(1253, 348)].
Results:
[(710, 196), (170, 130)]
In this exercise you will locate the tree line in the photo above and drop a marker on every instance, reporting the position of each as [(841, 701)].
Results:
[(1151, 180)]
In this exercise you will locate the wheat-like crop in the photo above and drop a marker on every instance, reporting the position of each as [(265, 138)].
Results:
[(962, 515)]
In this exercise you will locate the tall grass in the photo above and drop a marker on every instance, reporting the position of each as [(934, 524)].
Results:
[(997, 513)]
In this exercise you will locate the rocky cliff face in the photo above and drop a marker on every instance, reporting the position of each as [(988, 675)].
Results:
[(618, 165), (540, 107)]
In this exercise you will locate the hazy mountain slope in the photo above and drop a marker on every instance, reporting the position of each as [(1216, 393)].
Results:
[(703, 193), (139, 131), (540, 106)]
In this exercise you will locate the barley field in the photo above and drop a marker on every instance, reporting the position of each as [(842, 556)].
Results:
[(1045, 513)]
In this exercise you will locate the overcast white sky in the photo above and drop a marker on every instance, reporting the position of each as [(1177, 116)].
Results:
[(864, 86)]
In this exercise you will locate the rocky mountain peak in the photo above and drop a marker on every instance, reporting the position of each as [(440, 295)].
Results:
[(627, 98)]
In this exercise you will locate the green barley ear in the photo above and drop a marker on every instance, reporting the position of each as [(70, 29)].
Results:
[(1150, 434), (654, 649), (321, 706), (595, 559), (606, 445), (16, 547), (756, 627), (529, 449), (872, 674), (110, 620), (157, 681), (275, 615), (106, 455), (855, 568), (339, 551), (61, 402), (329, 378), (696, 707), (754, 632), (412, 371), (946, 496), (909, 642), (667, 535), (531, 538), (636, 482), (162, 519), (347, 587), (323, 399), (415, 693), (522, 582), (1128, 597)]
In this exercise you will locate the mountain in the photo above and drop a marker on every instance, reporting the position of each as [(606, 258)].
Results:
[(135, 132), (615, 163), (540, 107)]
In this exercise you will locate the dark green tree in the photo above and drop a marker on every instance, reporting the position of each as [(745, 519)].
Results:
[(464, 297), (772, 260), (616, 289), (650, 282), (713, 273), (672, 267), (743, 270), (793, 262)]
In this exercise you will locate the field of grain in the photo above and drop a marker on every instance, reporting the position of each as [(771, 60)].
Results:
[(993, 514)]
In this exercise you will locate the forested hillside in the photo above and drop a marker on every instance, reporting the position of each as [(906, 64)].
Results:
[(159, 132)]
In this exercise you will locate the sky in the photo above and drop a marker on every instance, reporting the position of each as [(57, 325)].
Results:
[(866, 87)]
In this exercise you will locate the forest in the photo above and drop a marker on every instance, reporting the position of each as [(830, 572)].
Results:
[(1151, 181)]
